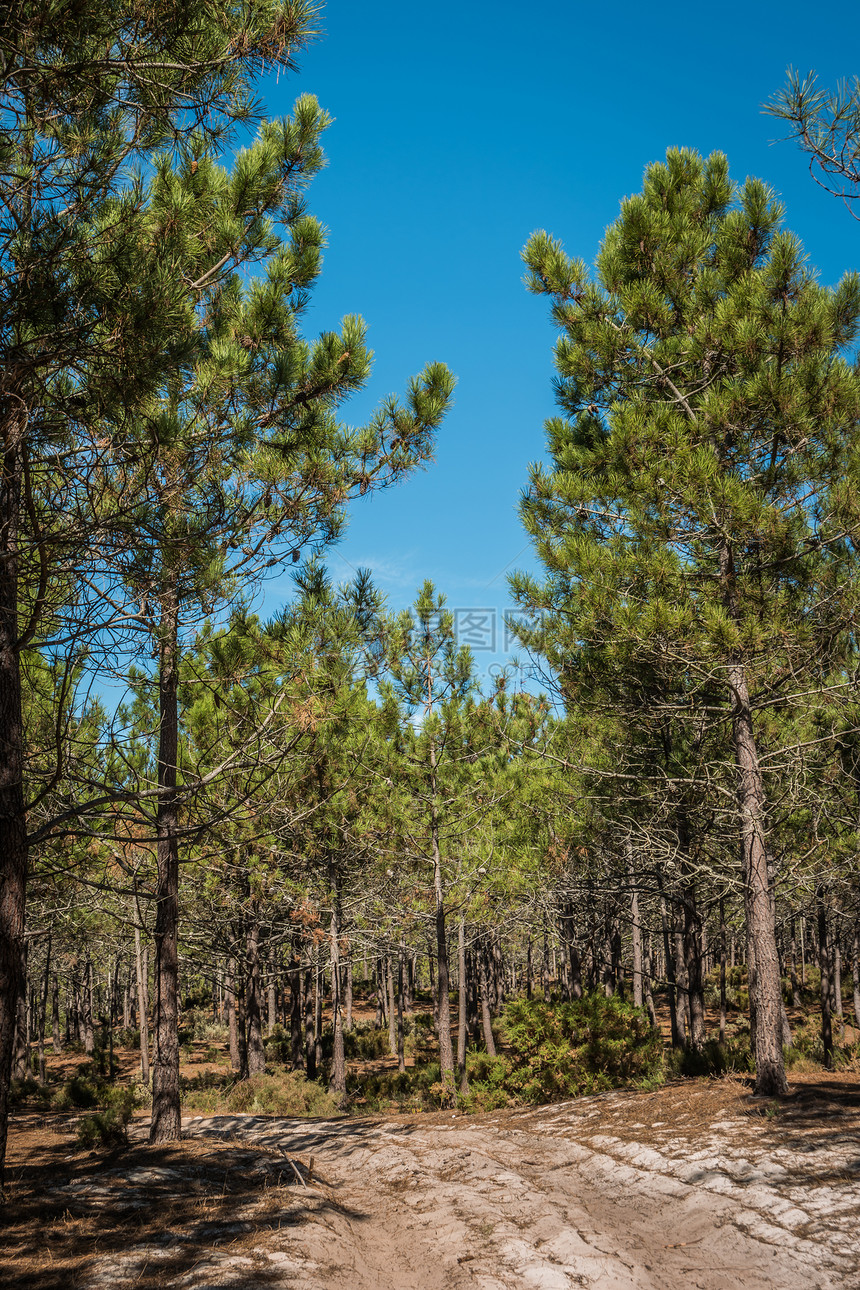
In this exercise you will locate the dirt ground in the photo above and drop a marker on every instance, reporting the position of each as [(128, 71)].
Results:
[(696, 1185)]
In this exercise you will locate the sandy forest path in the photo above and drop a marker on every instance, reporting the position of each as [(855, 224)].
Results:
[(691, 1186)]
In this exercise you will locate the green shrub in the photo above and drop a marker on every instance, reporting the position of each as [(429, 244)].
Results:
[(81, 1092), (487, 1079), (278, 1047), (285, 1093), (567, 1049), (713, 1058), (365, 1042), (416, 1089), (28, 1090), (108, 1128)]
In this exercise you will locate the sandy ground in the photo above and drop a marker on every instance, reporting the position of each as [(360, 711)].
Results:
[(696, 1185)]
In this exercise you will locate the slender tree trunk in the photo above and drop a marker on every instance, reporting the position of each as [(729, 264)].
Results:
[(310, 1045), (253, 998), (319, 990), (722, 970), (43, 1012), (693, 965), (234, 1021), (638, 995), (295, 978), (446, 1051), (89, 1033), (855, 971), (486, 1019), (461, 1004), (824, 965), (56, 1034), (770, 1065), (802, 950), (795, 985), (165, 1125), (392, 1007), (347, 1020), (836, 971), (272, 996), (13, 824), (529, 967), (671, 989), (646, 984), (337, 1082), (142, 1001), (401, 1031), (381, 987)]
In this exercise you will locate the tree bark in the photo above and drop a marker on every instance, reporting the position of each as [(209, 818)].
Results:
[(142, 1001), (638, 995), (295, 978), (165, 1124), (13, 825), (722, 970), (770, 1065), (671, 991), (337, 1083), (253, 999), (770, 1077), (55, 1016), (693, 964), (461, 1004), (446, 1051), (486, 1018), (824, 993)]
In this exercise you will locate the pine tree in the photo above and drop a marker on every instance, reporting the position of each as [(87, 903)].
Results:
[(696, 516), (87, 93)]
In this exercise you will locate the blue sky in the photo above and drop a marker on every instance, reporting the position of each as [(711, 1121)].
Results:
[(461, 128)]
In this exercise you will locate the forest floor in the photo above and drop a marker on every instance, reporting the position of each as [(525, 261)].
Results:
[(697, 1184)]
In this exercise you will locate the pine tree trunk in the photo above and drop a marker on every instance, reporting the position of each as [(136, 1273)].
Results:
[(636, 931), (855, 971), (836, 972), (461, 1004), (446, 1051), (347, 1019), (310, 1046), (401, 1030), (681, 984), (319, 990), (232, 1020), (795, 987), (43, 1012), (165, 1125), (272, 993), (824, 994), (722, 970), (693, 965), (392, 1009), (756, 865), (486, 1019), (55, 1016), (295, 977), (671, 991), (649, 997), (13, 824), (770, 1065), (89, 1034), (337, 1083), (140, 966), (253, 998)]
